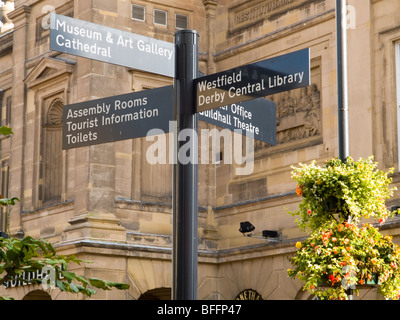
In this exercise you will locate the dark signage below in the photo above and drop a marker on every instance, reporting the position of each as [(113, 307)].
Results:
[(117, 118), (255, 118)]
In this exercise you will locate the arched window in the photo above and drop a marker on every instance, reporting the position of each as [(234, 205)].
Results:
[(37, 295), (52, 159)]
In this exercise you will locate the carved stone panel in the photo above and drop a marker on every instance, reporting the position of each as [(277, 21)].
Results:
[(298, 112), (250, 14)]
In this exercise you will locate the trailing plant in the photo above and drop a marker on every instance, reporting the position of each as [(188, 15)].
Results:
[(339, 191), (340, 252), (339, 257)]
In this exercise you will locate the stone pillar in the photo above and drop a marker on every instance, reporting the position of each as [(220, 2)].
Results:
[(20, 19), (95, 165), (211, 11)]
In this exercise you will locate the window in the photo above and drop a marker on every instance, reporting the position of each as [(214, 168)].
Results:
[(52, 154), (4, 179), (8, 111), (160, 17), (138, 12), (5, 110), (181, 21)]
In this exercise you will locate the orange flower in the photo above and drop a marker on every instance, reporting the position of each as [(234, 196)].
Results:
[(299, 190)]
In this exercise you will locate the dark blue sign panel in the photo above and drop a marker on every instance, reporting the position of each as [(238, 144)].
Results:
[(255, 117), (117, 118), (110, 45), (260, 79)]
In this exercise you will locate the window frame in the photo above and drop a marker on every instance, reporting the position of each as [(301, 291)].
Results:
[(144, 12), (166, 17), (176, 20)]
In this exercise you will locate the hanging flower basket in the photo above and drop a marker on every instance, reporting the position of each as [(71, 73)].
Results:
[(341, 253), (337, 191), (342, 256)]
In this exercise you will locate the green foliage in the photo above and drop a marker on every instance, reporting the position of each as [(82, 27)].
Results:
[(341, 256), (5, 131), (30, 255), (340, 253), (339, 191)]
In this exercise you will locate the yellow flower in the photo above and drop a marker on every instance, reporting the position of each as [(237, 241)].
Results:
[(298, 245)]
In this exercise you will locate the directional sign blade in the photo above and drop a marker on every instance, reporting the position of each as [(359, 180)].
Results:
[(256, 117), (110, 45), (260, 79), (117, 118)]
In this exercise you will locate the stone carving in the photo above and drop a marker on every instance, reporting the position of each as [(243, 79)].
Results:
[(5, 23), (298, 115)]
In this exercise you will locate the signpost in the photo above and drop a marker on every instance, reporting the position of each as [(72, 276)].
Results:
[(256, 118), (185, 176), (231, 99), (135, 114), (260, 79), (93, 41), (117, 118)]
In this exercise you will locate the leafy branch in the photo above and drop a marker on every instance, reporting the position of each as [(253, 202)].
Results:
[(18, 256)]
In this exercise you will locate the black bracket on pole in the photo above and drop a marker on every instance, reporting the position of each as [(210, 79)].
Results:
[(185, 176)]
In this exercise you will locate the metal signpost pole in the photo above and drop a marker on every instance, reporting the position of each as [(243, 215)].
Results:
[(343, 101), (185, 176), (343, 104)]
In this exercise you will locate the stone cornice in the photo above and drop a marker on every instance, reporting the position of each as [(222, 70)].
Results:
[(20, 16)]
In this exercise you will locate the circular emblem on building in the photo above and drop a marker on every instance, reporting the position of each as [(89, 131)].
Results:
[(249, 294)]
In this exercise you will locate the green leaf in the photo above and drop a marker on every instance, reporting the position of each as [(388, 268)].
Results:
[(70, 276), (101, 284), (61, 285), (120, 286), (8, 202), (106, 285), (5, 131), (73, 288), (82, 279)]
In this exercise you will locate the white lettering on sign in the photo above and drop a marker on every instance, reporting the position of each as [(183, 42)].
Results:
[(84, 124), (76, 44), (110, 45), (257, 80), (78, 31), (227, 87), (278, 81), (153, 48), (239, 118)]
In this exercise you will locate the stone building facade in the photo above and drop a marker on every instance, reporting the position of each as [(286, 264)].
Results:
[(107, 204)]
